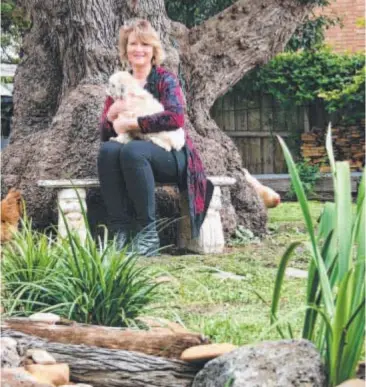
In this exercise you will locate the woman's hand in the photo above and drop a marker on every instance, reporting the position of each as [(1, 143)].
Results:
[(123, 125), (117, 107)]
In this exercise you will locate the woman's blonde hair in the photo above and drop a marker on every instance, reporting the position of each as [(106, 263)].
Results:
[(145, 32)]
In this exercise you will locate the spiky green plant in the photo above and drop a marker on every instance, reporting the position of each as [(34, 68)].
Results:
[(105, 286), (30, 266), (335, 305), (87, 280)]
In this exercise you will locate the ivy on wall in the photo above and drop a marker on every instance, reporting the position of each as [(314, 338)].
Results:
[(304, 77)]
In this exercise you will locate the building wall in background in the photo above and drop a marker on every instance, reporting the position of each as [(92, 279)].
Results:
[(352, 36)]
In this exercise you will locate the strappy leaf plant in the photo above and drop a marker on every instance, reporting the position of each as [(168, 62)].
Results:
[(105, 286), (335, 303), (30, 267), (85, 280)]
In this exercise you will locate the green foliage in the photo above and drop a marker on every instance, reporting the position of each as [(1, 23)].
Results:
[(360, 22), (106, 287), (335, 304), (30, 267), (86, 281), (310, 34), (309, 175), (242, 236), (192, 12), (349, 99), (14, 24), (304, 77), (6, 79)]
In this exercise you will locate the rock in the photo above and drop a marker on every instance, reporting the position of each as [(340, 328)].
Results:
[(40, 356), (8, 353), (202, 353), (18, 377), (56, 374), (296, 273), (283, 363), (164, 278), (8, 341), (50, 318), (223, 275), (361, 367), (353, 383)]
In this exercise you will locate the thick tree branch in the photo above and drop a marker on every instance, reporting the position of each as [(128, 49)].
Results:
[(233, 42)]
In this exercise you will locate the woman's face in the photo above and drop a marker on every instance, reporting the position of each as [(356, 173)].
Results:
[(138, 53)]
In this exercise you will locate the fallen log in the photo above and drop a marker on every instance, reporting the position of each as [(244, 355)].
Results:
[(162, 342), (103, 367)]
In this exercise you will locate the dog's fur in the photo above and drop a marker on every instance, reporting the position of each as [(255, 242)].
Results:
[(11, 211), (139, 102)]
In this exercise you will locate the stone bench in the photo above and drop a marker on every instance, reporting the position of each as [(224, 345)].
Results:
[(211, 239)]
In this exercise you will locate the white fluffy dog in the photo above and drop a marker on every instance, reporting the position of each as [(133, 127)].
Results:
[(139, 102)]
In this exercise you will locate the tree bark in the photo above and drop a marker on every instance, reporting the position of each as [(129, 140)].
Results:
[(111, 367), (71, 50), (158, 342)]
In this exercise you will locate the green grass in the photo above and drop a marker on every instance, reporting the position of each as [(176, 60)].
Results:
[(229, 310)]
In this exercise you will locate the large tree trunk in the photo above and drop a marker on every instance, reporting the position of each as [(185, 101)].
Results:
[(71, 50)]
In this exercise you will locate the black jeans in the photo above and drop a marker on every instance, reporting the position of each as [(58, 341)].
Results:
[(127, 175)]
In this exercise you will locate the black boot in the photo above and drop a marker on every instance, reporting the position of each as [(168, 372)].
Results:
[(146, 242)]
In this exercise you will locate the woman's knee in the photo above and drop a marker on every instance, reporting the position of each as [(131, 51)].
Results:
[(109, 149), (133, 152)]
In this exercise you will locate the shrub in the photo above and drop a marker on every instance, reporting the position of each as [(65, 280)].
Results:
[(87, 281), (309, 175), (30, 267), (335, 305), (105, 286), (311, 76)]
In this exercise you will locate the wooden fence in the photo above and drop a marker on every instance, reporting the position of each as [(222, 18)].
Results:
[(253, 124)]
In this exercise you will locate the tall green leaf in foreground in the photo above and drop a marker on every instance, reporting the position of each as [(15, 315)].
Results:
[(335, 305)]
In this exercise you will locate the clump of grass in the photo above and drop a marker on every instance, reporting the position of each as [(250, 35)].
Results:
[(30, 267), (105, 286), (88, 281)]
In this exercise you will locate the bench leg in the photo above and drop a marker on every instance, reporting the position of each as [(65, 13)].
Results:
[(69, 204), (211, 238)]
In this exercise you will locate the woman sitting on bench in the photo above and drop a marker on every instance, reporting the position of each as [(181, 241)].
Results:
[(128, 172)]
